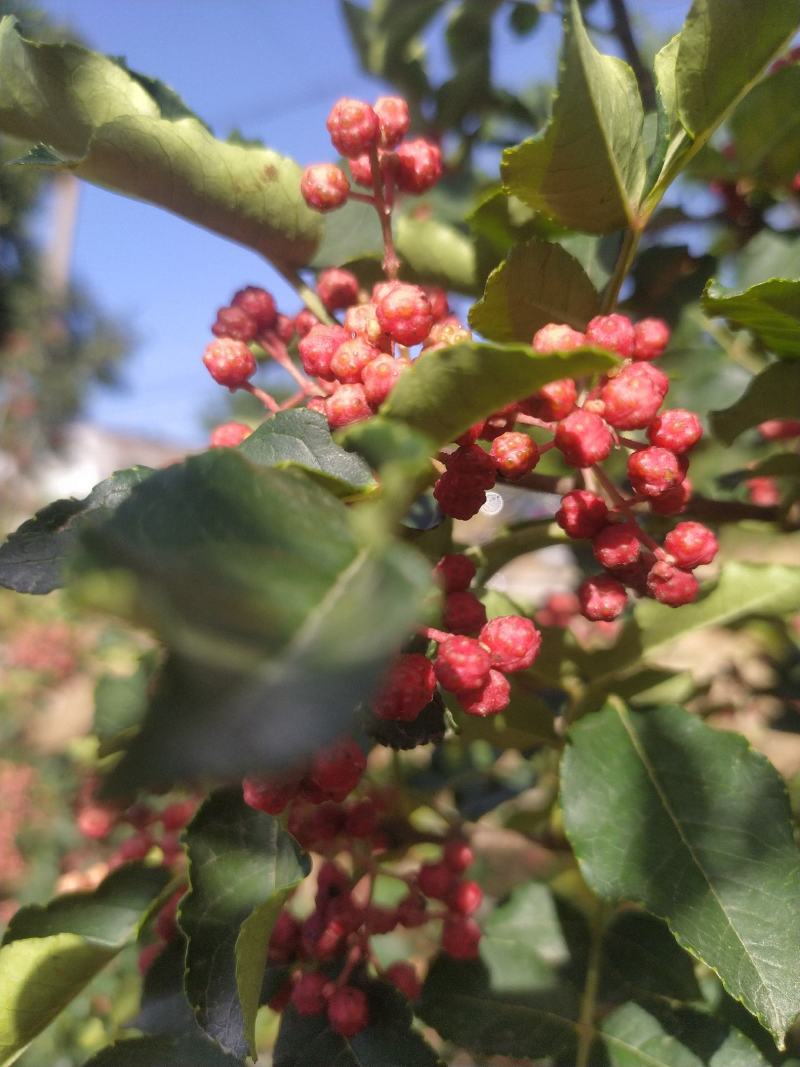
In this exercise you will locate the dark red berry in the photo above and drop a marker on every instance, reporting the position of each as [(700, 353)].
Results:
[(454, 572), (653, 471), (354, 127), (318, 347), (582, 514), (304, 321), (491, 699), (407, 690), (418, 166), (463, 613), (471, 462), (458, 496), (394, 119), (403, 976), (671, 585), (308, 995), (630, 401), (436, 880), (268, 795), (461, 938), (674, 500), (617, 545), (465, 898), (457, 854), (337, 770), (553, 401), (259, 304), (348, 1012), (234, 322)]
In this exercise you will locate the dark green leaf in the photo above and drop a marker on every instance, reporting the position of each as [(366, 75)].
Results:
[(484, 377), (302, 439), (642, 958), (766, 128), (770, 310), (32, 559), (691, 822), (278, 615), (538, 283), (193, 1051), (724, 46), (242, 867), (388, 1040), (773, 394), (587, 169), (123, 132), (768, 255), (164, 1009), (50, 954), (120, 702)]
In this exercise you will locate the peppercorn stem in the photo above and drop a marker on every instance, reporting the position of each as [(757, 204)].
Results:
[(391, 264)]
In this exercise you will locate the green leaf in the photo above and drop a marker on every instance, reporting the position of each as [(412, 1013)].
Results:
[(302, 439), (163, 1008), (773, 394), (668, 125), (661, 809), (538, 283), (121, 131), (120, 702), (768, 255), (587, 169), (770, 310), (32, 559), (242, 867), (50, 954), (187, 1051), (743, 589), (484, 377), (388, 1040), (641, 958), (724, 46), (766, 128), (278, 615)]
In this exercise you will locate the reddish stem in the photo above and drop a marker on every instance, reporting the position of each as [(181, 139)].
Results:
[(624, 506), (391, 264), (269, 402), (432, 634), (277, 349)]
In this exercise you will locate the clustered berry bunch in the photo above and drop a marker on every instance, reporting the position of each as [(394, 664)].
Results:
[(371, 139), (320, 961), (586, 425), (471, 657)]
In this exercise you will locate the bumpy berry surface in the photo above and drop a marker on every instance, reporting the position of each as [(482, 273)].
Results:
[(617, 546), (354, 127), (318, 348), (461, 663), (348, 1012), (235, 322), (671, 585), (346, 405), (557, 337), (379, 377), (350, 359), (490, 699), (405, 314), (553, 401), (651, 337), (408, 688), (691, 545), (582, 514), (653, 471), (455, 572), (677, 429), (229, 362), (324, 186), (418, 166), (463, 612), (393, 118), (583, 439), (614, 332), (514, 454), (602, 598), (337, 288), (259, 304), (630, 401), (513, 642)]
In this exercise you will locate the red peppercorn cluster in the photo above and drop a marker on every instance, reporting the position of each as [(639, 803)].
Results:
[(333, 774), (371, 139), (327, 955), (472, 656)]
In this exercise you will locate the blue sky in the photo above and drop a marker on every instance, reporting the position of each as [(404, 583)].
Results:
[(271, 68)]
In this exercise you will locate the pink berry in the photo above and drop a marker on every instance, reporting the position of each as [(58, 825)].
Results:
[(259, 304), (691, 545), (318, 348), (463, 613), (491, 699), (379, 377), (652, 471), (582, 514), (337, 288), (361, 167), (461, 663), (630, 401), (324, 186), (466, 898), (763, 492), (284, 327), (407, 690), (418, 166), (602, 598), (229, 362), (354, 127), (676, 429), (347, 404), (361, 320), (658, 378), (513, 642), (671, 585), (337, 770), (557, 337), (780, 429), (403, 977), (304, 321), (268, 795), (437, 297), (514, 454), (617, 545), (583, 439), (614, 332), (234, 322), (435, 880), (405, 314), (394, 119), (553, 401), (308, 995), (457, 855), (348, 1012), (651, 338), (460, 938), (350, 359), (445, 333), (229, 435), (454, 572)]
